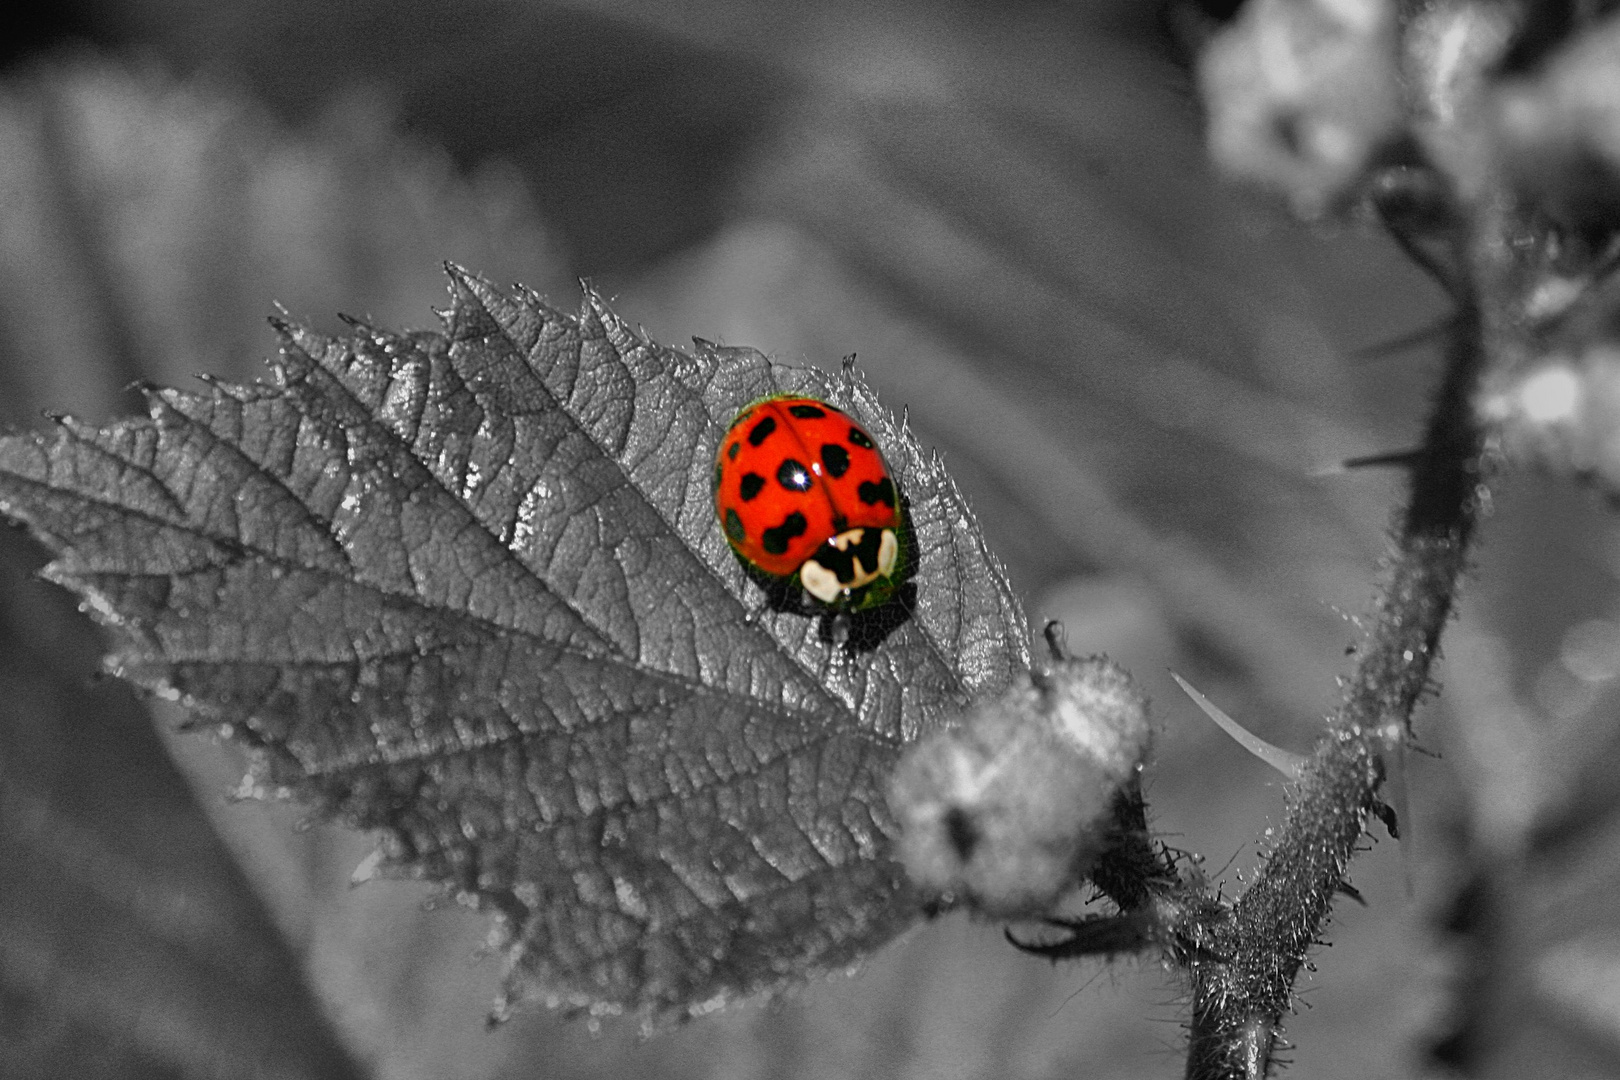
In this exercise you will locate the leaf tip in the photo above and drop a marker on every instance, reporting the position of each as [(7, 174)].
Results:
[(594, 309), (465, 286)]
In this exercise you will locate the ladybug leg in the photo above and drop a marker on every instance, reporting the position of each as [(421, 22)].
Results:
[(840, 630), (835, 631)]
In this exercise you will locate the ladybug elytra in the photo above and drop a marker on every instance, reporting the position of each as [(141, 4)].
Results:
[(804, 497)]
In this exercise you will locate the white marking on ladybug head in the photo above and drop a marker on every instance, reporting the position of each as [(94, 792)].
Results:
[(820, 582), (888, 553), (825, 585)]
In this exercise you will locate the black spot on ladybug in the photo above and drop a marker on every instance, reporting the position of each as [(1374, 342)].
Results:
[(874, 492), (858, 437), (793, 476), (761, 431), (752, 484), (731, 454), (807, 412), (835, 459), (734, 526), (777, 539)]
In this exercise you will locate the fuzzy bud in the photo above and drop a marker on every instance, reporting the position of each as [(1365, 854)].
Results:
[(1009, 810), (1303, 94)]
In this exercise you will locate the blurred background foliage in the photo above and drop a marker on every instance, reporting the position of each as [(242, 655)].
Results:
[(1137, 374)]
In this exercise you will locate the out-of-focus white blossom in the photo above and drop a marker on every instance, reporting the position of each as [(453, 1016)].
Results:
[(1564, 414), (1449, 50), (1302, 94)]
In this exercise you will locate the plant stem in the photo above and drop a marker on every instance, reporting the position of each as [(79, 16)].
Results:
[(1243, 980)]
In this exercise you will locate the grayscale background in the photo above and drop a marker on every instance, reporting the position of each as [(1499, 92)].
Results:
[(1136, 373)]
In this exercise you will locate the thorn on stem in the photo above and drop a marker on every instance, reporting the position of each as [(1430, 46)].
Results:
[(1286, 762), (1093, 935), (1405, 459), (1424, 335), (1352, 892)]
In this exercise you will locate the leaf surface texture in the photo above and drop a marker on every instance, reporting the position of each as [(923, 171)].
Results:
[(466, 588)]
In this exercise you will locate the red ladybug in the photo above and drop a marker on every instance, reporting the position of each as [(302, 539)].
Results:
[(805, 498)]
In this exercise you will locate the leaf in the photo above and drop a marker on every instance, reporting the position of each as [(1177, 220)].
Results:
[(467, 589), (130, 943)]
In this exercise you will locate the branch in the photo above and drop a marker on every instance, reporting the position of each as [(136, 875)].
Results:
[(1242, 984)]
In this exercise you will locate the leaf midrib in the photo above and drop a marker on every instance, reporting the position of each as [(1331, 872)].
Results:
[(483, 624)]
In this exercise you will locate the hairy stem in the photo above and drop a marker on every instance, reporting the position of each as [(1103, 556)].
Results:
[(1243, 979)]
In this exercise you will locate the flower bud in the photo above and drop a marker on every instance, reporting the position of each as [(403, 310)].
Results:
[(1303, 94), (1010, 809)]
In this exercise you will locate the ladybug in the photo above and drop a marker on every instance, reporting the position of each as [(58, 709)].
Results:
[(806, 500)]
